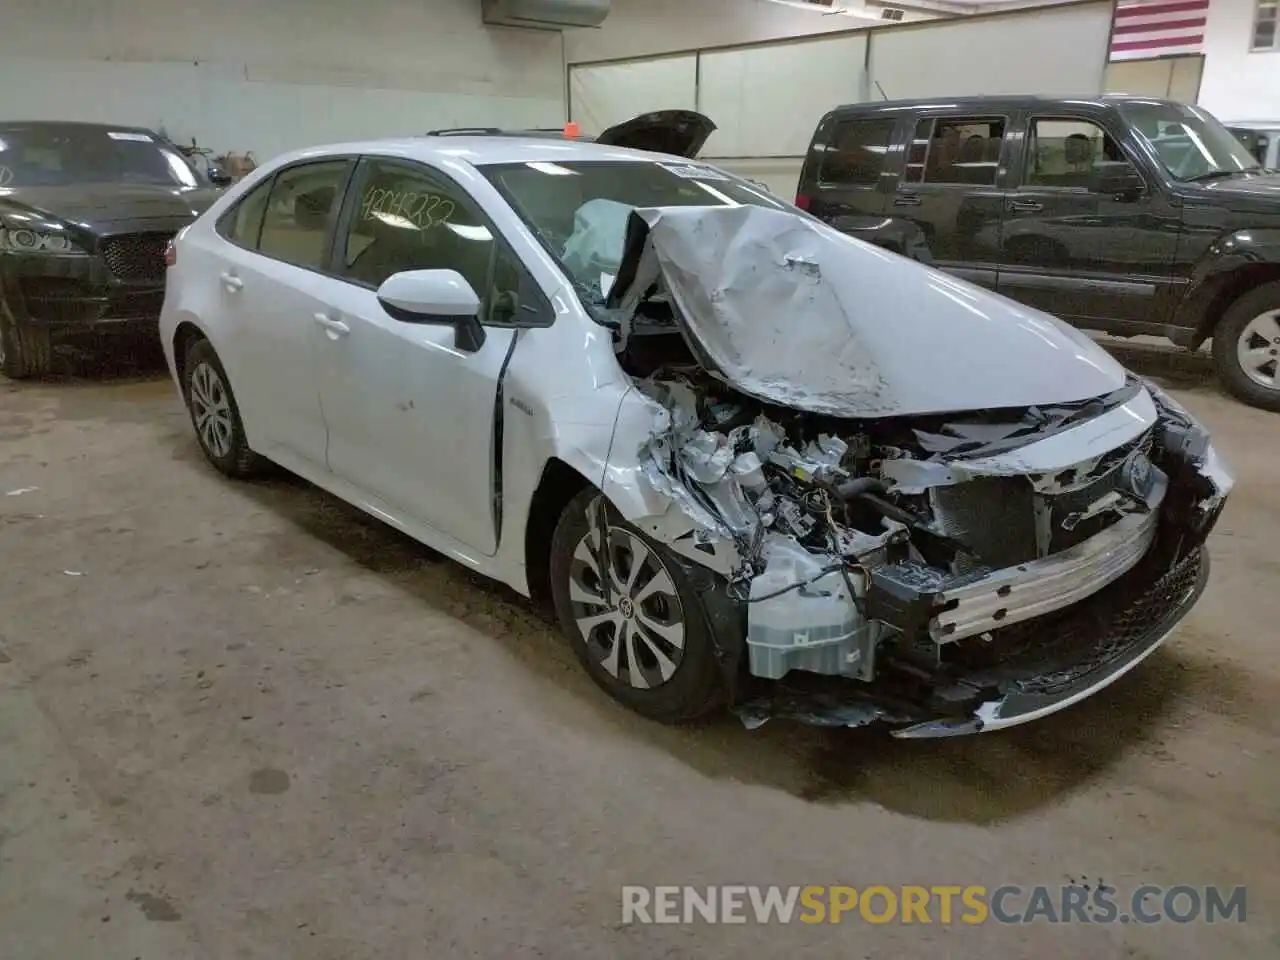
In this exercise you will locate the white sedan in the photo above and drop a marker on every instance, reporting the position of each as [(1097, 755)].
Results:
[(749, 460)]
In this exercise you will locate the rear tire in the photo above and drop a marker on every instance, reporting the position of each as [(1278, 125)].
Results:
[(1246, 347), (25, 351), (648, 646), (214, 413)]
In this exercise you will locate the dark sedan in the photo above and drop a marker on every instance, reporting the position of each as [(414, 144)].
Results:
[(86, 211)]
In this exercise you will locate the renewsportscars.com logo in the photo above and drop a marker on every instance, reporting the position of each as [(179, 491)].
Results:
[(941, 904)]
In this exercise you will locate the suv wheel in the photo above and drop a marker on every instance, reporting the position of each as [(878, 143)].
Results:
[(24, 351), (1246, 347), (214, 413), (635, 622)]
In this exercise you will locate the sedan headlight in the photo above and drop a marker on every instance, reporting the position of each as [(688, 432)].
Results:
[(1182, 434), (1166, 404), (30, 240)]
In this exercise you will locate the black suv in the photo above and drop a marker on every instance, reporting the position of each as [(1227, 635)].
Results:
[(1125, 215)]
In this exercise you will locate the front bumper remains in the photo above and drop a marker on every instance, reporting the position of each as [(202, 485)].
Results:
[(1055, 664), (1084, 618)]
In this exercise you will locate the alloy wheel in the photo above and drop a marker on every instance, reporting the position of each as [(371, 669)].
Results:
[(625, 604), (1258, 350), (211, 410)]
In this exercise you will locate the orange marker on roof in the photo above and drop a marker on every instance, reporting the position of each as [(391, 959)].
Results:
[(571, 129)]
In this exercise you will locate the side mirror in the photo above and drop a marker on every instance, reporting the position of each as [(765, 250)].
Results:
[(219, 177), (435, 296), (1121, 182)]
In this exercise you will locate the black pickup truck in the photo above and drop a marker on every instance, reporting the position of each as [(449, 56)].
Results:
[(1131, 216)]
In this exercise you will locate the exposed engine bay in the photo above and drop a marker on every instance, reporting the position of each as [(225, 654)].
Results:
[(945, 573)]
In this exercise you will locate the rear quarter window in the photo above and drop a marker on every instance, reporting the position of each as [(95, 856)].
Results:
[(242, 224), (855, 151)]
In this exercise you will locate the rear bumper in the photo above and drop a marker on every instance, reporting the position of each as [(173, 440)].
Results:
[(76, 293)]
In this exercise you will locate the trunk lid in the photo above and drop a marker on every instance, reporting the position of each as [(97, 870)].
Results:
[(682, 133)]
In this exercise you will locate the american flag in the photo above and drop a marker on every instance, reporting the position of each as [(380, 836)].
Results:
[(1157, 28)]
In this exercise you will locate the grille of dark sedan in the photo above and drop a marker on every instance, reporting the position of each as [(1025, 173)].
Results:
[(136, 257)]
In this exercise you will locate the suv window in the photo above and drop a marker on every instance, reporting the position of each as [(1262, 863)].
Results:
[(1069, 153), (955, 150), (856, 151), (242, 224), (300, 211), (406, 218)]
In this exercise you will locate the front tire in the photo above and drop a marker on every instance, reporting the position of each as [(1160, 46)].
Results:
[(642, 636), (1246, 347), (214, 413), (25, 351)]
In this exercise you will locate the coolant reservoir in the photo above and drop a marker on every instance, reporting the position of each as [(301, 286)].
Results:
[(815, 627)]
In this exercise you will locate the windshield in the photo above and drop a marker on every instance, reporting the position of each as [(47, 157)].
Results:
[(1190, 142), (56, 155), (579, 210)]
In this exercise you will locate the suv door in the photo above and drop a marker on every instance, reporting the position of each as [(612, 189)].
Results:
[(278, 238), (952, 187), (1073, 245), (410, 412)]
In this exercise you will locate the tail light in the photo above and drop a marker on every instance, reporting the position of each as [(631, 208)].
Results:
[(803, 201), (170, 254)]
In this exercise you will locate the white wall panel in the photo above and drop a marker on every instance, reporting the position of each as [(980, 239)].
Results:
[(604, 94), (781, 176), (245, 75), (1177, 78), (767, 100), (1049, 50)]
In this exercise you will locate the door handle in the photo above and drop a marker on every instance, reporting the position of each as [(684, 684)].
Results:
[(907, 200), (335, 328), (1026, 206), (232, 282)]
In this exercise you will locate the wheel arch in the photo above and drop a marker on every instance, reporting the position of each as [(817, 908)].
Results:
[(184, 335), (1230, 288), (557, 486)]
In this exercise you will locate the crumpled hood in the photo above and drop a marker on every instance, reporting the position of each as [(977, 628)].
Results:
[(795, 313)]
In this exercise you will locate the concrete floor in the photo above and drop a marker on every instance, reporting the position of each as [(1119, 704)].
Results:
[(243, 721)]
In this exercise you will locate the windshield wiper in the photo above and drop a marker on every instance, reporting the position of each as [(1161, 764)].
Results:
[(1219, 174)]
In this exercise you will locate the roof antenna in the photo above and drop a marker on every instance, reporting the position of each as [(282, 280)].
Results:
[(881, 89)]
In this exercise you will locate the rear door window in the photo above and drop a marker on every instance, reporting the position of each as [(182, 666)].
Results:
[(955, 150), (301, 210), (856, 151)]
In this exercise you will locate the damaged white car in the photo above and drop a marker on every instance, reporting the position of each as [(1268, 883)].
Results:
[(750, 461)]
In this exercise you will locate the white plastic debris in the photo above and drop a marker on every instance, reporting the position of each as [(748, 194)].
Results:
[(20, 491)]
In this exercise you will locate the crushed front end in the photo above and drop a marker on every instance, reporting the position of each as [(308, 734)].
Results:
[(897, 540), (943, 575)]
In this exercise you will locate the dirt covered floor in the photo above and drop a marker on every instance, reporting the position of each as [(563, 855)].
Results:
[(243, 721)]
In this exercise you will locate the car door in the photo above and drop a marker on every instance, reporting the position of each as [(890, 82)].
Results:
[(410, 412), (267, 285), (952, 187), (1073, 245)]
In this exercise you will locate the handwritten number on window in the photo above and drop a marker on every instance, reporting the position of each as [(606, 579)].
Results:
[(422, 210)]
